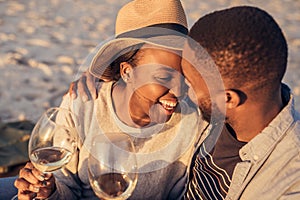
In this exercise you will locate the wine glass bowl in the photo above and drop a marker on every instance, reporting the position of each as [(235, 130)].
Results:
[(53, 140), (112, 166)]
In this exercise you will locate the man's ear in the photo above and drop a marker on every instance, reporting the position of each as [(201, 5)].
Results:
[(125, 69), (232, 99)]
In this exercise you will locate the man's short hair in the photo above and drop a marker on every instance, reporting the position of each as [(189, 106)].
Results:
[(246, 44)]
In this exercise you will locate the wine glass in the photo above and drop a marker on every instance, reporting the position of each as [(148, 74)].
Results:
[(53, 140), (112, 166)]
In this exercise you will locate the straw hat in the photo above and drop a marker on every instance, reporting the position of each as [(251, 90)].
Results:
[(158, 22)]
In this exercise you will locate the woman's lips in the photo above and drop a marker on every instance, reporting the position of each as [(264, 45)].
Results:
[(168, 105)]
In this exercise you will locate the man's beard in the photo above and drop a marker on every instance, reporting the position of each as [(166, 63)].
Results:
[(206, 107)]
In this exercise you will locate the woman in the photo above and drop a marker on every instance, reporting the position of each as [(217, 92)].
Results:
[(142, 97)]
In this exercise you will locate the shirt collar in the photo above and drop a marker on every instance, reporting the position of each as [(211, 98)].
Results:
[(263, 143)]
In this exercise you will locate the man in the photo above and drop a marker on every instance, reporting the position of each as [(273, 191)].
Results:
[(256, 155)]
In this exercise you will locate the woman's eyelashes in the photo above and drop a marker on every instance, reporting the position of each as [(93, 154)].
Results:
[(163, 77)]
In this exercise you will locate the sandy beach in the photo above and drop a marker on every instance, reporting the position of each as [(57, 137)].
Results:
[(44, 43)]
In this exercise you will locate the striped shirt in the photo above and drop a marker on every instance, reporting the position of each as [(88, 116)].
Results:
[(213, 166)]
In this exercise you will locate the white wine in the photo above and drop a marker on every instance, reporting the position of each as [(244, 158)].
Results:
[(113, 186), (49, 159)]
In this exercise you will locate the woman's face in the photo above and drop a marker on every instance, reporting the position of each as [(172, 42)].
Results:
[(157, 84)]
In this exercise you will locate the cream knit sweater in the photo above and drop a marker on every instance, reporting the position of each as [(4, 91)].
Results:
[(164, 151)]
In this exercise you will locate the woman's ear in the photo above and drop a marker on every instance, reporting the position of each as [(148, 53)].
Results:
[(125, 69), (232, 99)]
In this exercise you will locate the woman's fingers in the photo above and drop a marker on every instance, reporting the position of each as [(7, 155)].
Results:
[(48, 186), (38, 174), (27, 174), (32, 183), (44, 193), (26, 195), (25, 186)]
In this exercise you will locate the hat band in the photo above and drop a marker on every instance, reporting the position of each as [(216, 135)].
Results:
[(156, 30)]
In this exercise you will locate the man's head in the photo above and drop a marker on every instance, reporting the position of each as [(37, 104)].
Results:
[(249, 50)]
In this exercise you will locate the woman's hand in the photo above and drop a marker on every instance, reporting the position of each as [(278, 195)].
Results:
[(85, 86), (34, 184)]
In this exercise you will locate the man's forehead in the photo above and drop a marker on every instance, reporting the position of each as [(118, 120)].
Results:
[(187, 52), (189, 59), (197, 63)]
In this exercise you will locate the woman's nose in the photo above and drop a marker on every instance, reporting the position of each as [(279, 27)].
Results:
[(179, 88)]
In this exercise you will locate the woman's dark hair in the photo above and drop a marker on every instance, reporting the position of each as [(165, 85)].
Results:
[(129, 54)]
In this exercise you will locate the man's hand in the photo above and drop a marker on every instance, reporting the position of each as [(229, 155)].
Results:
[(85, 86), (34, 184)]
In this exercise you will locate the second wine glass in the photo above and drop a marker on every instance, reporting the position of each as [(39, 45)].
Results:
[(112, 166)]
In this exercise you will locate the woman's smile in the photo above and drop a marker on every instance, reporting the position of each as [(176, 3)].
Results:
[(168, 105)]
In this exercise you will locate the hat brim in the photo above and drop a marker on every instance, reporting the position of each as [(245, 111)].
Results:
[(112, 49)]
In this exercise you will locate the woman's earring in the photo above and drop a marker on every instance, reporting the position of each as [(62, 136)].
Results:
[(125, 69), (125, 77)]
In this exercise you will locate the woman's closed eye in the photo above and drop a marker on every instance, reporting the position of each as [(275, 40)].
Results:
[(164, 77)]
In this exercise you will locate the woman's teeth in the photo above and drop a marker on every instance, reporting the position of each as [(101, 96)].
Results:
[(168, 105)]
